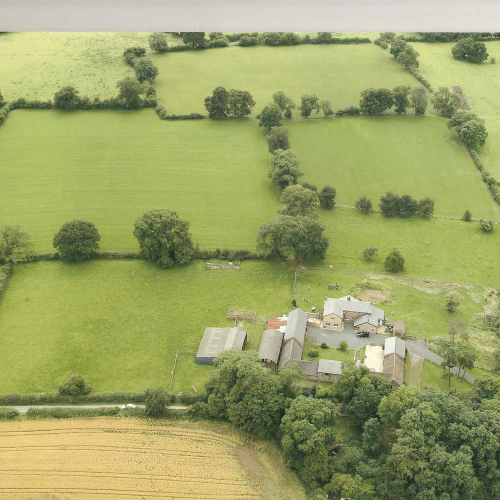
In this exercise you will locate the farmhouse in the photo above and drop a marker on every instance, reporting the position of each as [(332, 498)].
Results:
[(364, 315), (270, 348), (217, 340)]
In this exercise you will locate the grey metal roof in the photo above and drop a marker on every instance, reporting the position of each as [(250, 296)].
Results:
[(395, 345), (270, 345), (308, 368), (399, 326), (296, 325), (347, 303), (291, 351), (216, 340), (330, 366)]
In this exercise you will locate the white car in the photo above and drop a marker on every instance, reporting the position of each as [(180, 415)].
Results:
[(129, 405)]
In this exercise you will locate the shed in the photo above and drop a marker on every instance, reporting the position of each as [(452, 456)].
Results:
[(309, 369), (270, 347), (329, 370), (217, 340), (399, 328)]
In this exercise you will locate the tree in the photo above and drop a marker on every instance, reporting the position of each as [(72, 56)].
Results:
[(240, 103), (445, 102), (2, 100), (389, 204), (145, 70), (473, 133), (312, 187), (465, 359), (486, 224), (309, 103), (193, 39), (372, 436), (397, 46), (270, 116), (286, 236), (129, 92), (348, 486), (460, 117), (327, 197), (374, 102), (77, 240), (67, 98), (324, 37), (467, 216), (307, 430), (75, 385), (156, 402), (407, 206), (452, 305), (285, 104), (449, 361), (277, 138), (131, 53), (343, 346), (164, 238), (486, 387), (158, 42), (364, 204), (298, 200), (419, 100), (425, 207), (369, 253), (467, 49), (285, 168), (326, 106), (217, 104), (408, 57), (401, 101), (394, 262), (393, 406), (15, 244)]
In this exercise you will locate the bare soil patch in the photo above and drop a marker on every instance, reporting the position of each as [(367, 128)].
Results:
[(374, 296)]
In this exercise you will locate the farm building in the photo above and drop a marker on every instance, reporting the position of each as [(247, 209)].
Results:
[(399, 328), (270, 348), (365, 316), (309, 369), (329, 370), (217, 340), (293, 342), (394, 360), (278, 323)]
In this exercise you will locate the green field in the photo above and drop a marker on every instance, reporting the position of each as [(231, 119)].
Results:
[(404, 154), (110, 167), (122, 332), (480, 84), (338, 72)]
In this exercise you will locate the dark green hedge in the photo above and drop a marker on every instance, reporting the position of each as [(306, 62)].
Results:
[(39, 413), (47, 398), (491, 182), (8, 413)]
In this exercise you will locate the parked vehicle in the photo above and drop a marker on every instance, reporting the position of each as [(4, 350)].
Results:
[(362, 334), (127, 406)]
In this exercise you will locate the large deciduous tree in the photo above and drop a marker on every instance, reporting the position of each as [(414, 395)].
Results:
[(15, 244), (285, 169), (298, 200), (327, 197), (285, 104), (468, 49), (67, 98), (309, 103), (401, 101), (217, 104), (397, 46), (270, 116), (419, 100), (408, 57), (129, 93), (158, 42), (287, 236), (145, 70), (164, 238), (445, 102), (277, 138), (473, 133), (194, 39), (77, 240), (375, 101), (389, 204), (240, 103), (156, 402), (394, 262)]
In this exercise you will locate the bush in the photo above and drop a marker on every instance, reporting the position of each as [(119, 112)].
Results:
[(486, 224), (343, 346), (350, 111), (189, 398), (248, 41), (369, 253), (313, 353), (74, 386), (452, 305), (58, 413), (394, 262), (8, 413), (218, 42), (327, 197), (467, 217), (324, 345), (364, 204)]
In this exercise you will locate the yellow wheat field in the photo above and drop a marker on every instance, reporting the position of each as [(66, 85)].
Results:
[(119, 459)]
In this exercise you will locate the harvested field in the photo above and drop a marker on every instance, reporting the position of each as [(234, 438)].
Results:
[(110, 458)]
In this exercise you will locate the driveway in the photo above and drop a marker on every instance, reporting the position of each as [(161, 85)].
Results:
[(334, 338)]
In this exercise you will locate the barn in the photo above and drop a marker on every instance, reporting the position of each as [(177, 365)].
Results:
[(270, 348), (217, 340)]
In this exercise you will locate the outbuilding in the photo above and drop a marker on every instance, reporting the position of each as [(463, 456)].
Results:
[(270, 348), (399, 328), (217, 340), (329, 370)]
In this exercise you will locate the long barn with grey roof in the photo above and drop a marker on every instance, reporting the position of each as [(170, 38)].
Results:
[(270, 348), (217, 340)]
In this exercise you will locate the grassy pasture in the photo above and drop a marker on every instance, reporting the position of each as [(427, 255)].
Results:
[(122, 332), (117, 458), (404, 154), (338, 72), (109, 167), (480, 84)]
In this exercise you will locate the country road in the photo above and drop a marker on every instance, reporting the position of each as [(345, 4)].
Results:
[(23, 409)]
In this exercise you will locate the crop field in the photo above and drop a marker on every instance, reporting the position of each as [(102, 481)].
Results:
[(109, 167), (480, 84), (121, 331), (448, 250), (338, 72), (404, 154), (110, 458)]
